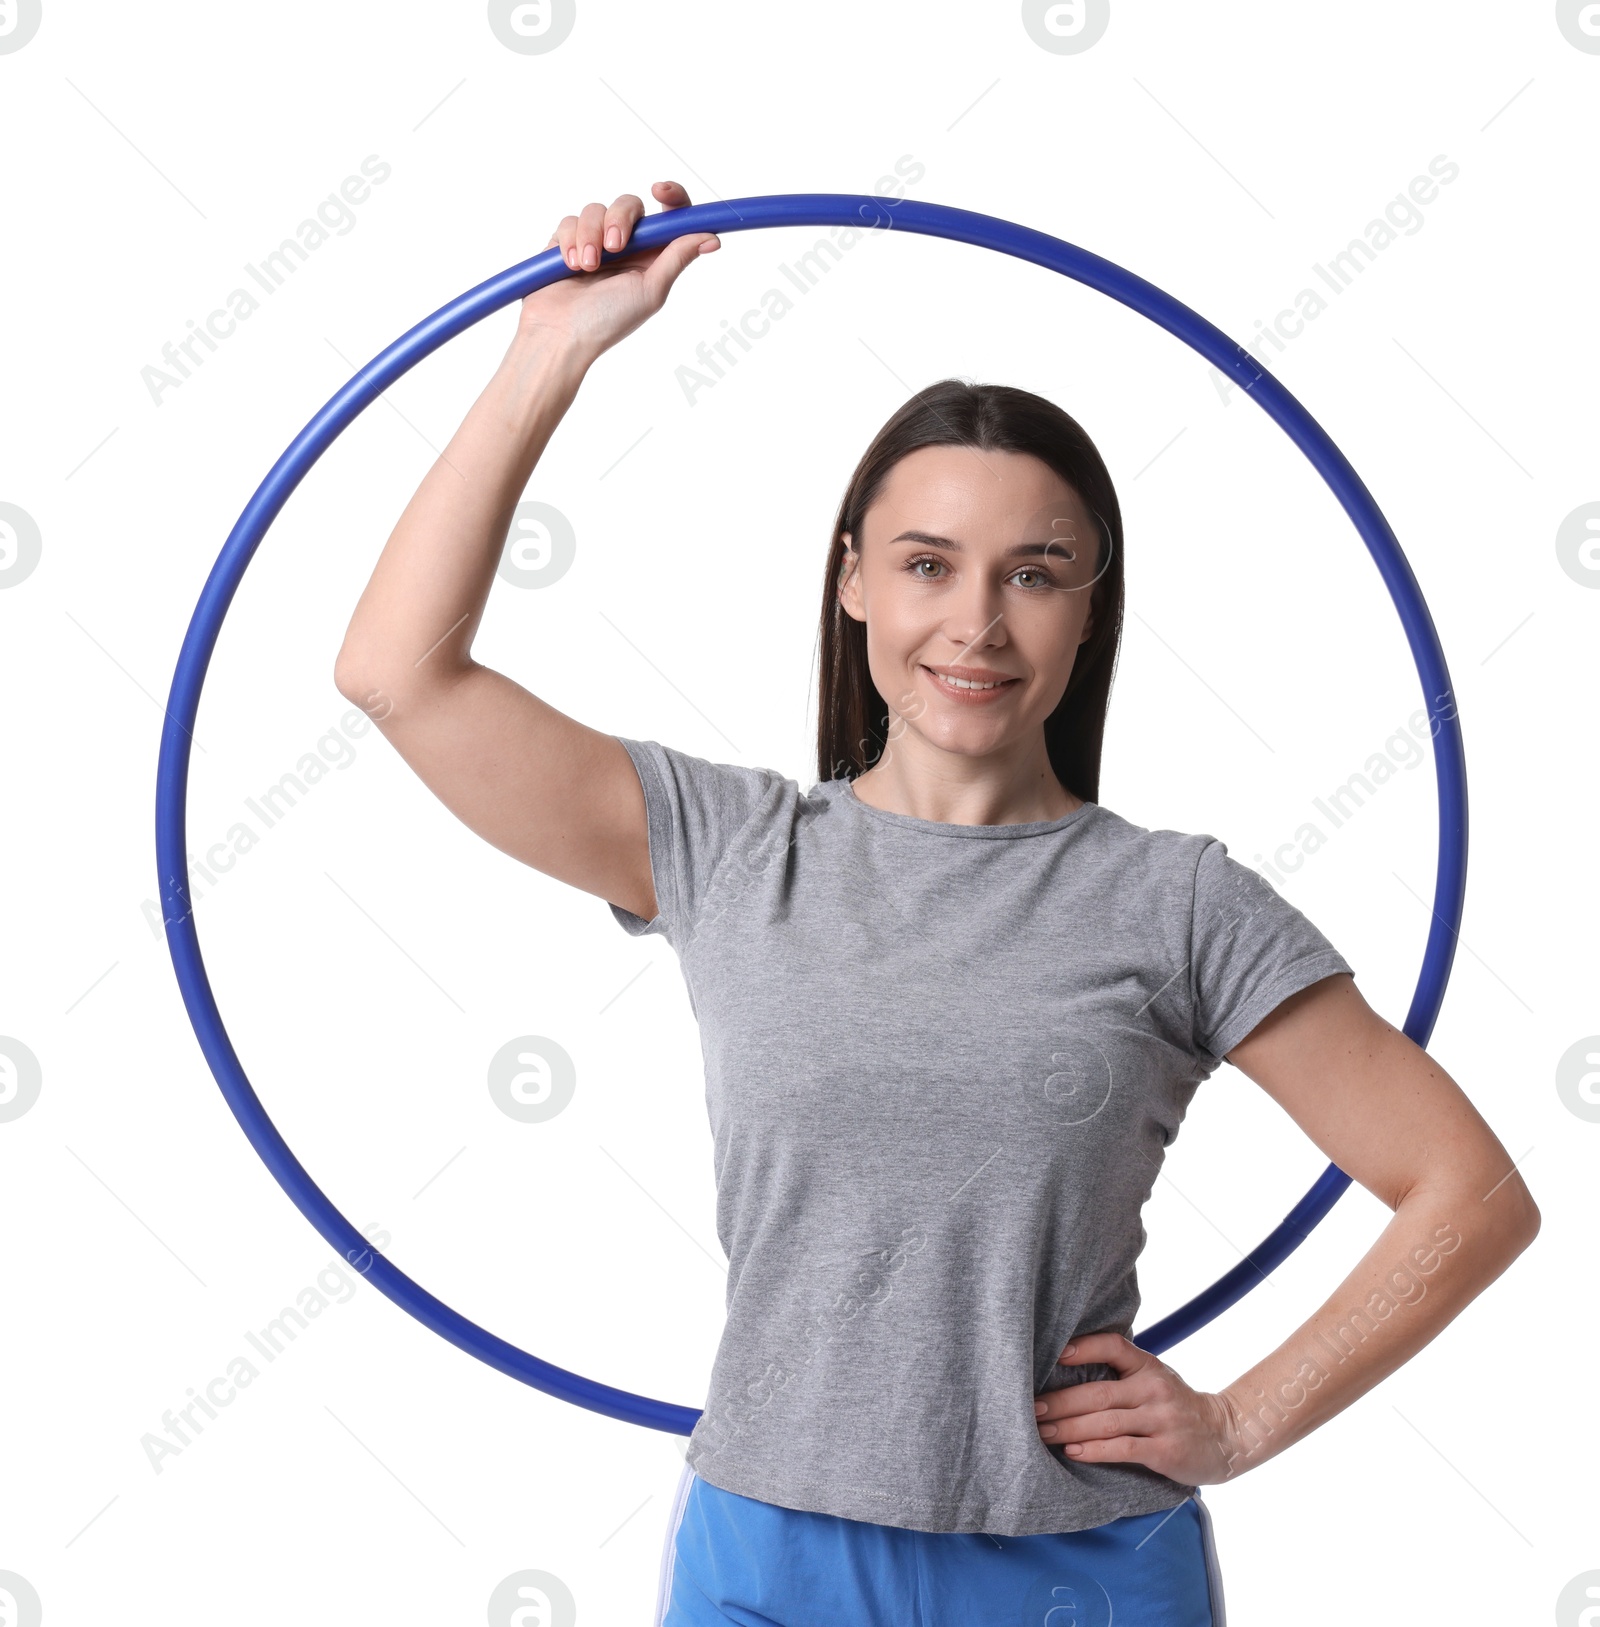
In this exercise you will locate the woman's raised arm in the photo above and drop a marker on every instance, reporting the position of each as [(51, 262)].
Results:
[(539, 785)]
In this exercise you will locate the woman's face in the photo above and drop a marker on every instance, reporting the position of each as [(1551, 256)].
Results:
[(978, 566)]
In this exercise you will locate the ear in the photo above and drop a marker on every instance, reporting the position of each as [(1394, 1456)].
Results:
[(848, 589)]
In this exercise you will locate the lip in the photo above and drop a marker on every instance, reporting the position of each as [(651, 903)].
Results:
[(1004, 683)]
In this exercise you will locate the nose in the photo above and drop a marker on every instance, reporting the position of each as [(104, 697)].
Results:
[(976, 615)]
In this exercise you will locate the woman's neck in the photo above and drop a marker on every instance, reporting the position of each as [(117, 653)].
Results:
[(966, 791)]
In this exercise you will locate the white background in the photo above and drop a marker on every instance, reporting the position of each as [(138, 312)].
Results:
[(370, 954)]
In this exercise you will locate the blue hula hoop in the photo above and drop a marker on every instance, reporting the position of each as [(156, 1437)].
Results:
[(864, 212)]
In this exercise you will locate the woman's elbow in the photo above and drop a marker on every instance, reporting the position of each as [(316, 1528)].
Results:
[(349, 673), (1517, 1219), (355, 679)]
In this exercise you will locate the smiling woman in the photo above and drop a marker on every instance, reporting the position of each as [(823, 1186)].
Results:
[(953, 1011), (983, 597)]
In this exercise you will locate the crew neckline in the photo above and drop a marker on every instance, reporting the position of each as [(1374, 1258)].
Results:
[(846, 791)]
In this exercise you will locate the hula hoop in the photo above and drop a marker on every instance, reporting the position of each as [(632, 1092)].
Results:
[(862, 211)]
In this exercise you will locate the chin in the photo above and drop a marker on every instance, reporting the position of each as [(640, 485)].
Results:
[(973, 740)]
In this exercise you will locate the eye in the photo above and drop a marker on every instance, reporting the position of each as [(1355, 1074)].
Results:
[(1041, 578)]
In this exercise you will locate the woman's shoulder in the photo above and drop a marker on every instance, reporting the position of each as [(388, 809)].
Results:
[(1153, 863), (686, 768), (710, 795), (1157, 843)]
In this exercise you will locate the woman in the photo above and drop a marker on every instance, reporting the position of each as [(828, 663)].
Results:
[(953, 1010)]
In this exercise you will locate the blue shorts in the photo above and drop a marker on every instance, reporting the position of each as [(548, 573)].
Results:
[(732, 1559)]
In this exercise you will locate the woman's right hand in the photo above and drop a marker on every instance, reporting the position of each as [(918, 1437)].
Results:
[(599, 305)]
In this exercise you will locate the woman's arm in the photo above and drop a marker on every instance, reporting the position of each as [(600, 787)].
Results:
[(539, 785), (1392, 1119)]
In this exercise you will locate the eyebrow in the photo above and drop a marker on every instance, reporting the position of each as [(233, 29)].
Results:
[(1021, 550)]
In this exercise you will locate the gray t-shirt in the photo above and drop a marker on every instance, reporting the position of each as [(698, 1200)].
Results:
[(943, 1064)]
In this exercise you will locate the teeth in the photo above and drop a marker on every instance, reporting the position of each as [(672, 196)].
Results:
[(963, 683)]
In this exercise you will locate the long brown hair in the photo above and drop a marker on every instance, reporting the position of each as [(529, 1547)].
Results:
[(852, 717)]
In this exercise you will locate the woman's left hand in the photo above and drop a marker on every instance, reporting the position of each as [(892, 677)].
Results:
[(1147, 1414)]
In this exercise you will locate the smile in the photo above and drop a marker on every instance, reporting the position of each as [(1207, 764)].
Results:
[(972, 687), (966, 683)]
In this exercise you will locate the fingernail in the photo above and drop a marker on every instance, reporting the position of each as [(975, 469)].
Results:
[(1038, 1408), (614, 237), (590, 257), (572, 258), (1048, 1431), (1068, 1351)]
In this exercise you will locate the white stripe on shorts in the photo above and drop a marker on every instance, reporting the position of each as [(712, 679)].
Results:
[(670, 1546), (1219, 1609)]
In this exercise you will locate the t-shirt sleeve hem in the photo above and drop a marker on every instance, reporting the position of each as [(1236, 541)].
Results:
[(1266, 999), (658, 816)]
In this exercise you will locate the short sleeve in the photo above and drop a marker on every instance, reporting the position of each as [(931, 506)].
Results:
[(1250, 949), (696, 810)]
